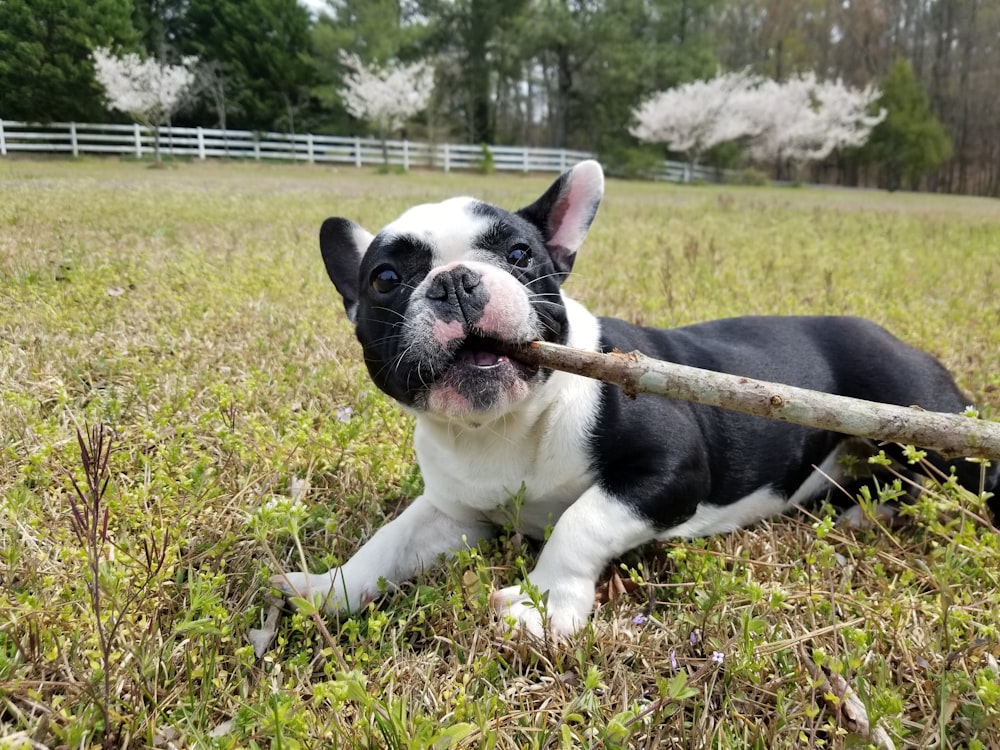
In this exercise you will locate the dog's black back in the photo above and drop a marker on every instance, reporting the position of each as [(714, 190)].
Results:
[(842, 355)]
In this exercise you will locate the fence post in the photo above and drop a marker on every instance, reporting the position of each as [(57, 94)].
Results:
[(309, 147), (562, 160), (524, 158), (256, 147), (138, 140), (447, 158), (3, 140), (406, 156), (357, 152), (201, 144), (72, 140)]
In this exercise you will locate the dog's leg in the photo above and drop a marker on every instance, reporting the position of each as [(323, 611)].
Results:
[(591, 532), (398, 551)]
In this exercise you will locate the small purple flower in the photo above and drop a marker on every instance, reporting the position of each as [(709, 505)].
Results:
[(673, 659), (718, 657), (695, 636), (640, 620), (344, 413)]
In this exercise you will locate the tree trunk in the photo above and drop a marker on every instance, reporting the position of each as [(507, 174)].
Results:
[(384, 138), (564, 85), (476, 70)]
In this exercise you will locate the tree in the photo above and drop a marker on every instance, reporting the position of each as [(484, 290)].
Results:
[(374, 30), (146, 89), (799, 120), (566, 73), (377, 31), (386, 97), (696, 116), (594, 60), (160, 25), (804, 119), (45, 68), (466, 33), (260, 47), (951, 46), (910, 142), (210, 82)]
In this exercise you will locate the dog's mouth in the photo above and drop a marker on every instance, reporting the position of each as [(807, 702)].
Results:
[(484, 353)]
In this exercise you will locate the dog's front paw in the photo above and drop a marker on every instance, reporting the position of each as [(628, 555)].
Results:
[(856, 518), (512, 604), (316, 587), (562, 615)]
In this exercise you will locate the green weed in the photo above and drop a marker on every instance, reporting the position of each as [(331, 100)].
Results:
[(187, 311)]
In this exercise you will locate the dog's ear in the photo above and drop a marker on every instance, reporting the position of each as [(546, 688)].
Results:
[(342, 244), (565, 211)]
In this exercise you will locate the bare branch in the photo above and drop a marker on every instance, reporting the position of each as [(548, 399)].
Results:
[(951, 435)]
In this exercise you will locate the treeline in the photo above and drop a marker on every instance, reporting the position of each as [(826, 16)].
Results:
[(536, 72)]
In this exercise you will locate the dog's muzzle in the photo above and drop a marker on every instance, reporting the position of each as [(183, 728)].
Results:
[(465, 325)]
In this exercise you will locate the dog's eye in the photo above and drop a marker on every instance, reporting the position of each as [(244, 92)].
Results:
[(519, 255), (384, 279)]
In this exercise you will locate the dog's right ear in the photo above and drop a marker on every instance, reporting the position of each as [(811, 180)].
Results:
[(342, 244)]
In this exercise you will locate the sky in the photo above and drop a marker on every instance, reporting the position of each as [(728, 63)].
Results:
[(314, 6)]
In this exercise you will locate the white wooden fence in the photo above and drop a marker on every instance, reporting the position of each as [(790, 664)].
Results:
[(203, 143)]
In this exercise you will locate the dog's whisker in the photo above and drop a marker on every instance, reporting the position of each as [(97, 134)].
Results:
[(397, 313)]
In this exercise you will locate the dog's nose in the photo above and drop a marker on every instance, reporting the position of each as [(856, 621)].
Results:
[(458, 281), (457, 292)]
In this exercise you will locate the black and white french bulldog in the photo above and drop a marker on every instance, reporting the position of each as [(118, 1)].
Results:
[(440, 294)]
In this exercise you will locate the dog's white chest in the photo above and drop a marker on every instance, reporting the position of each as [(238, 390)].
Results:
[(522, 473)]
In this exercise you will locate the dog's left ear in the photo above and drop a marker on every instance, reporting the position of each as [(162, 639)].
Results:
[(342, 243), (564, 213)]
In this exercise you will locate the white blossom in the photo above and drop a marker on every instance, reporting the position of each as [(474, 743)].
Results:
[(803, 119), (147, 89), (696, 116), (799, 120), (385, 97)]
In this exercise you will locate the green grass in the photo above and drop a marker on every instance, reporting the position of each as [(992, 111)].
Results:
[(187, 309)]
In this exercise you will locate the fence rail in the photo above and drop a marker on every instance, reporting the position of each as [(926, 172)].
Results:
[(137, 141)]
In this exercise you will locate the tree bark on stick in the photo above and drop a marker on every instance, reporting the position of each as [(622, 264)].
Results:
[(951, 435)]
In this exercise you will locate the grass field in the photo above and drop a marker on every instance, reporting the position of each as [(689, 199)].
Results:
[(187, 310)]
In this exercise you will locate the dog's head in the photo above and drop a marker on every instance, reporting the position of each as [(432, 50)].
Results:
[(443, 294)]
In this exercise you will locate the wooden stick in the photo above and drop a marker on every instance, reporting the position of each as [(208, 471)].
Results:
[(951, 435)]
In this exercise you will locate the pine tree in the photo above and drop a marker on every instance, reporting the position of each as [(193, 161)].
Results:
[(910, 142), (258, 47), (46, 72)]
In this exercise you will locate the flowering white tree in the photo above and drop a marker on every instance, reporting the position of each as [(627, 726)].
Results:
[(799, 120), (696, 116), (385, 97), (148, 90), (803, 119)]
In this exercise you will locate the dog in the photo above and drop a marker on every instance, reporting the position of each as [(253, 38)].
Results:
[(440, 299)]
